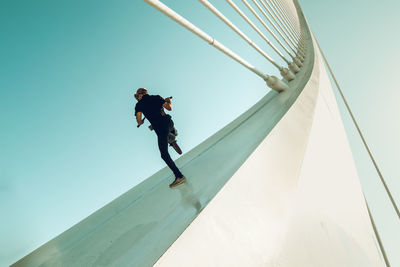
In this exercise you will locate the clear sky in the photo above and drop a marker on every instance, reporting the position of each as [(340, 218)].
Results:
[(69, 142)]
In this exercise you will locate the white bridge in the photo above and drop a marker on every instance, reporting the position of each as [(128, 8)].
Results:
[(287, 196)]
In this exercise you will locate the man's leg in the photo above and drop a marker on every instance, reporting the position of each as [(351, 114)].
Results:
[(163, 146)]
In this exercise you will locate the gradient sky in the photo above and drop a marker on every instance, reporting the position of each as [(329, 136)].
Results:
[(69, 142)]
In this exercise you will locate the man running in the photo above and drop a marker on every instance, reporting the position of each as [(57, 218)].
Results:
[(152, 107)]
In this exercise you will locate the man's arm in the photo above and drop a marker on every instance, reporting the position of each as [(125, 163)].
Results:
[(139, 118), (167, 104)]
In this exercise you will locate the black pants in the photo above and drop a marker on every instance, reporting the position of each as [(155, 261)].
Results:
[(163, 131)]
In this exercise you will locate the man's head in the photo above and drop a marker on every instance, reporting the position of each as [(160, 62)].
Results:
[(140, 93)]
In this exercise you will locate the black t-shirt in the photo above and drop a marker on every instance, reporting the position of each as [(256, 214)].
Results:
[(152, 108)]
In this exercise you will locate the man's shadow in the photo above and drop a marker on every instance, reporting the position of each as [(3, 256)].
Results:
[(188, 196)]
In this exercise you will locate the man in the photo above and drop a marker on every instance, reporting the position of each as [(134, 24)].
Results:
[(152, 107)]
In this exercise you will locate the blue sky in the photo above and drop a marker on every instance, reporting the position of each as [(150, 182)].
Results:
[(69, 142)]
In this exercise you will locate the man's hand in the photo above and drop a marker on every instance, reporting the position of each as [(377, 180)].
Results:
[(139, 119), (167, 104), (140, 124)]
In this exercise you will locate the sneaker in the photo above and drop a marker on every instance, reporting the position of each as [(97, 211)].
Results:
[(176, 147), (178, 181)]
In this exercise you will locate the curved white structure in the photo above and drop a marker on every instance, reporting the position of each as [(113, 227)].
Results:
[(296, 201), (275, 187)]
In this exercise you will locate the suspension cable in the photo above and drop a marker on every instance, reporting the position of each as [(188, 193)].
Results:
[(287, 40), (237, 30), (240, 12), (285, 15), (272, 81), (287, 30), (378, 238), (289, 26), (291, 12), (266, 27)]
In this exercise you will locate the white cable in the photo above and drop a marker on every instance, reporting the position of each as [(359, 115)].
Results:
[(284, 15), (238, 31), (288, 25), (240, 12), (282, 23), (275, 25), (266, 27), (272, 81)]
